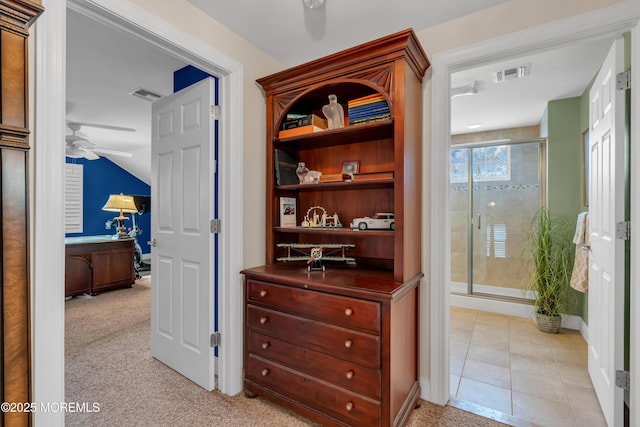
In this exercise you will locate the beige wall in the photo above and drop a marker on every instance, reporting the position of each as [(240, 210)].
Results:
[(506, 18), (256, 64)]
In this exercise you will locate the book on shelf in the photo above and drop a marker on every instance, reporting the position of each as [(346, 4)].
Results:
[(335, 177), (372, 119), (304, 130), (288, 211), (309, 119), (372, 176), (365, 100), (370, 113), (285, 165), (368, 107)]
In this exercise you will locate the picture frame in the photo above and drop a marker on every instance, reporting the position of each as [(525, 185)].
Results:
[(350, 167), (288, 211)]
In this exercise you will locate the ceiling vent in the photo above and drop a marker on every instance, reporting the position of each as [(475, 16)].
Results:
[(511, 73), (145, 94)]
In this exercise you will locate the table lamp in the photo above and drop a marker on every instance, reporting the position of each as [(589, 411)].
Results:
[(123, 204)]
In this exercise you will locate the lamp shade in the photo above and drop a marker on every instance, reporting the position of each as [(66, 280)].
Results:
[(120, 203)]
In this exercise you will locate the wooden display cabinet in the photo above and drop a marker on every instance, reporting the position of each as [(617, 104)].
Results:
[(341, 346)]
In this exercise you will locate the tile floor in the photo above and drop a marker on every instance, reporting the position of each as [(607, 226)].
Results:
[(523, 376)]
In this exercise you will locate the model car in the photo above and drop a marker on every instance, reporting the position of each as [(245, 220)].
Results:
[(380, 221)]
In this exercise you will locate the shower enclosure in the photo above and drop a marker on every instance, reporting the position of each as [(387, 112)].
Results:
[(496, 187)]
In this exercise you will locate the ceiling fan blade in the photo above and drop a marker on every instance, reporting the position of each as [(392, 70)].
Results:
[(89, 155), (108, 151), (101, 126), (76, 152), (78, 141)]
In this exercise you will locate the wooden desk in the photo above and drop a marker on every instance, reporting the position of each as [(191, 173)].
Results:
[(97, 263)]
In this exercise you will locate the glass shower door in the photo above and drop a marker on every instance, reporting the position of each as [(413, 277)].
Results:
[(506, 191)]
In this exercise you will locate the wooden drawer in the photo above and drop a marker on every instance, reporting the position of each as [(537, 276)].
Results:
[(337, 371), (344, 311), (347, 344), (331, 400)]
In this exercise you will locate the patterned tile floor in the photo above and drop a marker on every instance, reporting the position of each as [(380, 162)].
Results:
[(503, 365)]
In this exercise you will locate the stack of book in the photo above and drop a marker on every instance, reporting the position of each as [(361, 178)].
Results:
[(295, 125), (370, 108)]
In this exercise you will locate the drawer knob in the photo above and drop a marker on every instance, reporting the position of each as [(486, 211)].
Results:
[(264, 319), (263, 293), (265, 372), (265, 345), (348, 343), (349, 407), (350, 374), (348, 312)]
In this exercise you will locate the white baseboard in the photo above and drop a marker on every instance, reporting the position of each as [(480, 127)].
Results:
[(501, 291), (425, 389)]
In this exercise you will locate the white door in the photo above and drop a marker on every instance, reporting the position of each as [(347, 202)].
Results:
[(182, 200), (606, 208)]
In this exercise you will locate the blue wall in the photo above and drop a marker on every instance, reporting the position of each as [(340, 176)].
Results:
[(186, 76), (101, 178)]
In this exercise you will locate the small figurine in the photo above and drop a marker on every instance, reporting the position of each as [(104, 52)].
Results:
[(313, 177), (302, 172), (334, 113), (317, 217)]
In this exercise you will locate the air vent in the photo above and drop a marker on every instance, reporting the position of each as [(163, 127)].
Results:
[(145, 94), (511, 73)]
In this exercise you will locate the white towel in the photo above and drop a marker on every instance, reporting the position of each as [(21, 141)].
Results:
[(580, 273), (580, 236)]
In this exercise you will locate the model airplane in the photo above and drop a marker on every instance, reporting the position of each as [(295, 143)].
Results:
[(314, 253)]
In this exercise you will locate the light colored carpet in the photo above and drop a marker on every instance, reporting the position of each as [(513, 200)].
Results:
[(108, 362)]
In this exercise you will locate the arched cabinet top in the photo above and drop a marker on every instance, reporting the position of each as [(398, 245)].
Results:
[(311, 99), (381, 66), (357, 62)]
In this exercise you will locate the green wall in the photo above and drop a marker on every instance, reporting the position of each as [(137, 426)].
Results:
[(562, 126)]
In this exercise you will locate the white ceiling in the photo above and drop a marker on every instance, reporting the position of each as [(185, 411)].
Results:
[(104, 64)]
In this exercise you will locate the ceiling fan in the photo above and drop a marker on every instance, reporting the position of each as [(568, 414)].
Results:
[(78, 146)]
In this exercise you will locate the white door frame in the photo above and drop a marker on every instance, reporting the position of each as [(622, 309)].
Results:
[(48, 178), (613, 20), (634, 356)]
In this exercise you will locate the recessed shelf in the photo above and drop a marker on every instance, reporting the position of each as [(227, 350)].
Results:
[(347, 135), (343, 185)]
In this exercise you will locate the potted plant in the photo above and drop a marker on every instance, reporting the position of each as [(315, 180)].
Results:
[(550, 245)]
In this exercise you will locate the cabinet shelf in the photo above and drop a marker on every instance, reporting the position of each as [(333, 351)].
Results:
[(347, 135), (344, 231), (342, 185)]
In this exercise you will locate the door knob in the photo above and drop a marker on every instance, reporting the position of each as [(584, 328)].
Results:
[(151, 242)]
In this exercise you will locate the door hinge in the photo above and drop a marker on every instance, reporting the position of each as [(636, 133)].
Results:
[(623, 80), (215, 227), (214, 340), (623, 230), (216, 112), (623, 379)]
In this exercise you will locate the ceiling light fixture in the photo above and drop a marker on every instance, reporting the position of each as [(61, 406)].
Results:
[(313, 4), (470, 89)]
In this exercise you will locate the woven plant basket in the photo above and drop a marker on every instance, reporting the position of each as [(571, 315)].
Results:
[(548, 324)]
